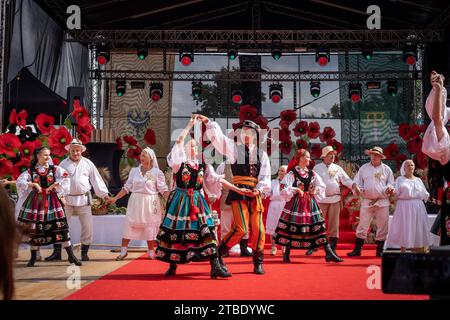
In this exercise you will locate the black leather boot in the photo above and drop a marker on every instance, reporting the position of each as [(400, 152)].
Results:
[(216, 269), (172, 270), (380, 247), (222, 251), (286, 254), (56, 255), (258, 257), (32, 258), (333, 243), (330, 255), (244, 248), (311, 251), (84, 252), (357, 250), (71, 255)]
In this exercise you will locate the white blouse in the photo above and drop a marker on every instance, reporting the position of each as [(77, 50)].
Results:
[(211, 180), (287, 193), (152, 182), (61, 177), (409, 189), (275, 194), (437, 150)]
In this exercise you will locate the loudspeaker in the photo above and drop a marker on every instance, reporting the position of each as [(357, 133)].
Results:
[(72, 94)]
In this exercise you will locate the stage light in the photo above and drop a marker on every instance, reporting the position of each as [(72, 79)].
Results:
[(232, 52), (121, 87), (355, 92), (314, 88), (186, 57), (392, 88), (276, 51), (409, 55), (156, 91), (276, 92), (367, 53), (103, 54), (236, 95), (322, 57), (142, 52), (196, 88)]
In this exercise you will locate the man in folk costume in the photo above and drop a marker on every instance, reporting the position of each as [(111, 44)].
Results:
[(251, 170), (83, 176), (436, 145), (374, 182), (333, 176)]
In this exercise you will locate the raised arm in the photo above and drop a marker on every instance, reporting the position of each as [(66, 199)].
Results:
[(178, 155), (437, 82)]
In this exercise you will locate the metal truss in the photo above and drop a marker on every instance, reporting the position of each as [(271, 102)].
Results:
[(2, 54), (442, 21), (238, 76), (257, 39)]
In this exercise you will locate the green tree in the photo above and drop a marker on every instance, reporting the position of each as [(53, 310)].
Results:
[(335, 110)]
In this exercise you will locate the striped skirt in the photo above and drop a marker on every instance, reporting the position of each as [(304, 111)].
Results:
[(182, 239), (44, 216), (301, 224)]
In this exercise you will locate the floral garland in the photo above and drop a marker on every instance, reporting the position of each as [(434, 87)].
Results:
[(19, 141)]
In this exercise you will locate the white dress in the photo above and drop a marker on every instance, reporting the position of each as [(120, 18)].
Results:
[(276, 206), (409, 227), (144, 209)]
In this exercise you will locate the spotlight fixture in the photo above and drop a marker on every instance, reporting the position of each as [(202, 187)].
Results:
[(367, 53), (392, 87), (103, 54), (156, 91), (355, 92), (142, 52), (232, 52), (121, 87), (196, 88), (314, 88), (276, 92), (186, 57), (236, 94), (409, 55), (322, 56), (276, 51)]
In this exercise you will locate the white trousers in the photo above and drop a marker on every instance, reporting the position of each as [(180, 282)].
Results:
[(381, 215), (85, 215)]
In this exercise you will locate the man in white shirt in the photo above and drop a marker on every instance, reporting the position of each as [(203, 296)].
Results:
[(83, 176), (374, 182), (333, 176)]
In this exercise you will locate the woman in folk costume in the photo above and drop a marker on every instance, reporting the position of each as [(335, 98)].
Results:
[(436, 145), (301, 225), (144, 183), (409, 228), (276, 206), (187, 232), (42, 209)]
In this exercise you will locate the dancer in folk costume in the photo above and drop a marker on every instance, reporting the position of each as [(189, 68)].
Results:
[(145, 183), (409, 228), (333, 176), (251, 170), (375, 183), (276, 206), (436, 145), (42, 209), (187, 232), (301, 225), (83, 176)]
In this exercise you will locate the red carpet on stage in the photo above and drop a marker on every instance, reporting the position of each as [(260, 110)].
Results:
[(305, 278)]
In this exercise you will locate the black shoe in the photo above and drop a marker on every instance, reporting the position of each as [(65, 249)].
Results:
[(258, 257), (380, 247), (222, 251), (286, 254), (172, 270), (216, 269), (32, 259), (244, 248), (311, 251), (358, 247), (71, 255), (84, 252), (56, 255), (333, 243), (330, 255)]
